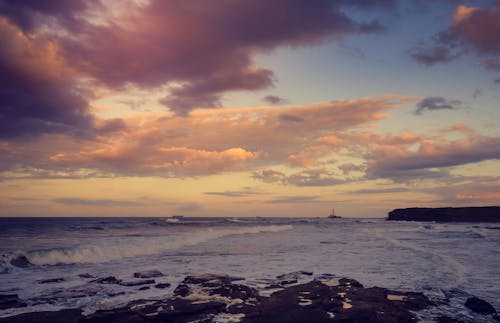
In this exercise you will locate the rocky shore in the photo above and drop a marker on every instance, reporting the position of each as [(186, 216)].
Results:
[(447, 214), (221, 298)]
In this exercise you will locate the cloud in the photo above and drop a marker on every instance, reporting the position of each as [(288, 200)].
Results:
[(431, 156), (431, 55), (37, 88), (145, 144), (293, 199), (206, 49), (96, 202), (272, 99), (477, 27), (497, 81), (305, 178), (433, 103), (166, 160), (30, 14), (472, 28), (379, 191), (243, 193)]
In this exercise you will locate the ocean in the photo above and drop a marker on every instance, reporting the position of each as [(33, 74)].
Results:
[(442, 260)]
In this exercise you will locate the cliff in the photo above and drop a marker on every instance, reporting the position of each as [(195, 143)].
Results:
[(447, 214)]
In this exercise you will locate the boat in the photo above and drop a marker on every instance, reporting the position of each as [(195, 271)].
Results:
[(333, 216)]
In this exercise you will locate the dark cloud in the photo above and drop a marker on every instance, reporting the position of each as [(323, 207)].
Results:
[(28, 14), (37, 94), (293, 199), (472, 28), (97, 202), (432, 103), (272, 99), (478, 28), (205, 49), (431, 55), (497, 81)]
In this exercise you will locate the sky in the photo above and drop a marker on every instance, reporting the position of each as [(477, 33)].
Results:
[(248, 108)]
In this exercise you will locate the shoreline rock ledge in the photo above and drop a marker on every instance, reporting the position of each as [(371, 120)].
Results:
[(447, 214)]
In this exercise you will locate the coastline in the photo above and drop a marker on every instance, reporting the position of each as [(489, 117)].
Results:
[(293, 297)]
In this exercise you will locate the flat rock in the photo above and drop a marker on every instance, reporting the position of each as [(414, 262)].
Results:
[(86, 275), (162, 285), (50, 281), (138, 282), (478, 305), (148, 274), (107, 280)]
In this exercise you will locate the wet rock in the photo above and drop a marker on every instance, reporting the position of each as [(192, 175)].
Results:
[(138, 282), (10, 301), (148, 274), (202, 279), (50, 281), (63, 316), (478, 305), (162, 285), (107, 280), (21, 262), (207, 298), (86, 275)]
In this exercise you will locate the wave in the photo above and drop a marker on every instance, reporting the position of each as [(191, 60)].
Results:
[(123, 247)]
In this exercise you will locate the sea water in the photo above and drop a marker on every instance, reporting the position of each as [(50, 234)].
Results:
[(443, 260)]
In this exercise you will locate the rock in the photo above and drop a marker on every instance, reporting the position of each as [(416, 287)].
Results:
[(86, 275), (446, 319), (447, 214), (287, 279), (21, 262), (50, 281), (107, 280), (478, 305), (138, 282), (200, 279), (209, 298), (162, 285), (148, 274), (62, 316), (10, 301)]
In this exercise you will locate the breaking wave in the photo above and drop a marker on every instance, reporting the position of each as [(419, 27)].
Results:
[(123, 247)]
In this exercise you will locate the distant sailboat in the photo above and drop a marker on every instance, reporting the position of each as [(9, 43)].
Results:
[(333, 216)]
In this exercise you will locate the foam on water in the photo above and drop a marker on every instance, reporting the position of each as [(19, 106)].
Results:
[(136, 246)]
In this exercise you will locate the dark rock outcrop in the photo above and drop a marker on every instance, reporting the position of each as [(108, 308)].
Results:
[(447, 214), (107, 280), (138, 282), (148, 274), (50, 281), (162, 285), (21, 262), (478, 305), (10, 301)]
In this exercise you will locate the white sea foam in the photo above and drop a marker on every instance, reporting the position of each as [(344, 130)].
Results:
[(123, 247)]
